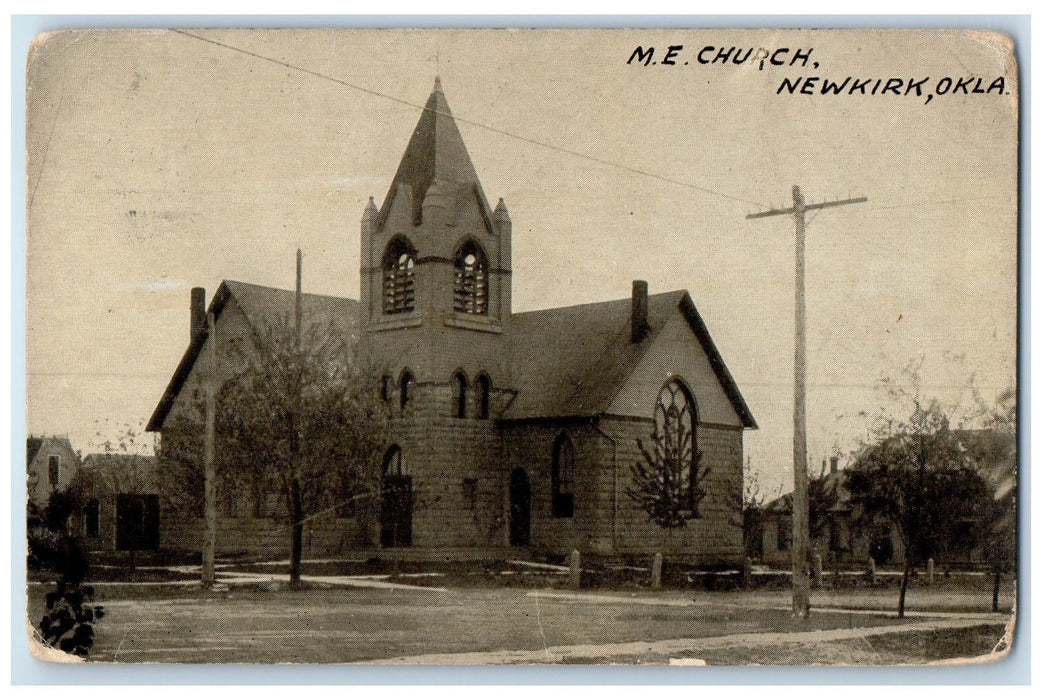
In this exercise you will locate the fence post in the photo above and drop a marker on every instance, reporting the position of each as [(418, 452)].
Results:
[(747, 573), (656, 571), (575, 570), (929, 571), (871, 571), (815, 569)]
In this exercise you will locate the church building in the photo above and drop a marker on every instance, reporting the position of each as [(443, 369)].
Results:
[(511, 431)]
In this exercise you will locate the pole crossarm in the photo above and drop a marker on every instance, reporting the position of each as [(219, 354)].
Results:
[(806, 207)]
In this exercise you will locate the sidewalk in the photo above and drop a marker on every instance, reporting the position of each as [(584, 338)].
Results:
[(688, 650)]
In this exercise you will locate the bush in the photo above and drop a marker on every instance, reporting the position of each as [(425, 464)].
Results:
[(68, 624)]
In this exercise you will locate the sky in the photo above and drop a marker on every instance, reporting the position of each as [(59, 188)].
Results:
[(159, 161)]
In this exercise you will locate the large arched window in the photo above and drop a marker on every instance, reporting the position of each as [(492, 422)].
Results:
[(484, 388), (470, 291), (562, 478), (399, 293), (459, 394), (675, 422), (406, 383)]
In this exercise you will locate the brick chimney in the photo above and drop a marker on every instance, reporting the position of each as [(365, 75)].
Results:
[(197, 322), (639, 312)]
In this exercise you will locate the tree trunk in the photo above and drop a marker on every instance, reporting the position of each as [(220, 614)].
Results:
[(297, 545), (995, 590), (904, 588)]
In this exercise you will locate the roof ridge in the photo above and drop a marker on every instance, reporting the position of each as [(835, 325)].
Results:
[(620, 300), (289, 291)]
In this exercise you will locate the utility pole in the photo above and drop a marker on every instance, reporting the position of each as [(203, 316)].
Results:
[(209, 473), (800, 505)]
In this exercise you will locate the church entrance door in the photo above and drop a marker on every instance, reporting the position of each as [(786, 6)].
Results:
[(396, 511), (520, 508)]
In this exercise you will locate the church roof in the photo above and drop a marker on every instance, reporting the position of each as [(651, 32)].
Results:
[(266, 309), (436, 153), (571, 361)]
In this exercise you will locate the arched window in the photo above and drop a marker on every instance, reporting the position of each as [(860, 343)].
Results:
[(470, 291), (394, 465), (405, 387), (399, 294), (675, 422), (459, 395), (562, 478), (484, 387)]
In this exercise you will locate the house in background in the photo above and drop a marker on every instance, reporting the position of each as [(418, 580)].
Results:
[(837, 535), (51, 465), (511, 431), (841, 538), (120, 496)]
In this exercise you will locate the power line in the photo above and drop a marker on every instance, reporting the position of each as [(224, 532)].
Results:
[(471, 122)]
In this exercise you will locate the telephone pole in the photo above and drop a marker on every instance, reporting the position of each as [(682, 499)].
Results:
[(209, 476), (800, 505)]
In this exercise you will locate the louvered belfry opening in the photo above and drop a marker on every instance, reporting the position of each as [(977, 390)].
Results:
[(470, 291), (399, 283)]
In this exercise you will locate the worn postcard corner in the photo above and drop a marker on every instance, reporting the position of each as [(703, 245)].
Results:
[(648, 346)]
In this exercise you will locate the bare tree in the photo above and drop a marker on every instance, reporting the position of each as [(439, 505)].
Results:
[(918, 478), (668, 482), (303, 416)]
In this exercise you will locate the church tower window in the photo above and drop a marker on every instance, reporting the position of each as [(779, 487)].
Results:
[(470, 291), (459, 395), (484, 387), (399, 262), (405, 387)]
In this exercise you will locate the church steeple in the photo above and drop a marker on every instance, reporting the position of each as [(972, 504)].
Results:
[(435, 154)]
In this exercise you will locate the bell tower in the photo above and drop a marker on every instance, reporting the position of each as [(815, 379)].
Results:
[(435, 262)]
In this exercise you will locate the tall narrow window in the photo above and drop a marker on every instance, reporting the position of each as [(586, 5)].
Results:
[(385, 388), (405, 387), (459, 395), (484, 387), (399, 294), (675, 422), (54, 463), (470, 292), (562, 478)]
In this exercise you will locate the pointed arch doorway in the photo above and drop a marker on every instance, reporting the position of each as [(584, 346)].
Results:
[(520, 508), (395, 501)]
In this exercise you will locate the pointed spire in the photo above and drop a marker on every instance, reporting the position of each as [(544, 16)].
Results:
[(435, 152), (501, 213)]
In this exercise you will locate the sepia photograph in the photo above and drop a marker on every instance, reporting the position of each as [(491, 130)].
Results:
[(650, 346)]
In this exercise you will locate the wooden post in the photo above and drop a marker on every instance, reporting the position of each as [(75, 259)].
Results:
[(871, 571), (656, 571), (575, 570), (800, 506), (815, 569), (747, 573), (929, 571), (209, 473)]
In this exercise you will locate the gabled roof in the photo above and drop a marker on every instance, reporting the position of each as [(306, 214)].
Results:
[(265, 308), (436, 152), (35, 443), (32, 446), (571, 361), (121, 471)]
